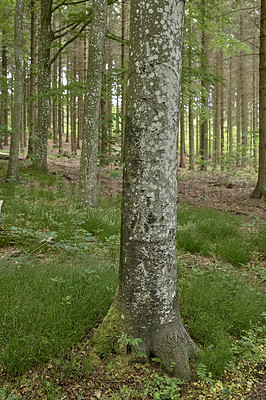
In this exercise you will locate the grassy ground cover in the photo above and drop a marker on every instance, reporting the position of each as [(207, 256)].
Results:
[(58, 276)]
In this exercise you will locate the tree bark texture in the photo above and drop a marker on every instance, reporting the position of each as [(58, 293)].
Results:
[(32, 83), (89, 152), (146, 303), (12, 172), (4, 91), (204, 122), (260, 189), (46, 37)]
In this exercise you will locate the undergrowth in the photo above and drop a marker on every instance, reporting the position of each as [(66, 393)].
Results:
[(215, 233), (217, 307), (47, 307), (64, 279)]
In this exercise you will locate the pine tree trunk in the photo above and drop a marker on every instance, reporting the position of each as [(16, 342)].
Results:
[(146, 303)]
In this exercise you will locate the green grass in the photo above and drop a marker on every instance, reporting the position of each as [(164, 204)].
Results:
[(213, 233), (47, 307), (217, 307)]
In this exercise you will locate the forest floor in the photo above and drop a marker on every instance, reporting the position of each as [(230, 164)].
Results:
[(227, 191)]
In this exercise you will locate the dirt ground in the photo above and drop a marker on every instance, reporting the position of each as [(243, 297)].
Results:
[(228, 191)]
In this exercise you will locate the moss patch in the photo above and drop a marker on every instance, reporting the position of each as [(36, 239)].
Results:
[(105, 339)]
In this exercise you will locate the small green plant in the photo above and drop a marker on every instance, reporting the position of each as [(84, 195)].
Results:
[(163, 387), (128, 340)]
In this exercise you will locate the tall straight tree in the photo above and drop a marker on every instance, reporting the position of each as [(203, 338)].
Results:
[(46, 38), (260, 189), (146, 303), (89, 152), (12, 172)]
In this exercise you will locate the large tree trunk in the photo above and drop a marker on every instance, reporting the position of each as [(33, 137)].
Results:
[(146, 303), (260, 189), (46, 37), (89, 152), (12, 172)]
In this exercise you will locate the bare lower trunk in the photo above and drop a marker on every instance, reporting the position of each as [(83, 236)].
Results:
[(40, 159), (12, 172), (260, 189), (89, 152)]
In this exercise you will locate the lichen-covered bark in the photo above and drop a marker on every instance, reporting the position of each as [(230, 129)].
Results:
[(89, 152), (260, 189), (146, 302), (12, 172), (46, 38)]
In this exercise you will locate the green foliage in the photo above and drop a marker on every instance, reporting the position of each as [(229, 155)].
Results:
[(217, 306), (163, 387), (47, 307), (128, 340), (45, 215)]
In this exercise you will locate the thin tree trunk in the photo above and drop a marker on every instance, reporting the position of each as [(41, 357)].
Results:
[(89, 152), (221, 61), (203, 150), (4, 101), (260, 189), (182, 137), (12, 172), (33, 62), (229, 111), (40, 160), (244, 110)]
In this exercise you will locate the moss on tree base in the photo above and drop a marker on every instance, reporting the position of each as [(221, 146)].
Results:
[(105, 339)]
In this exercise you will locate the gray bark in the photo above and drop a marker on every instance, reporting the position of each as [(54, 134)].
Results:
[(12, 172), (33, 59), (89, 152), (46, 37), (4, 91), (260, 189), (204, 122), (146, 303)]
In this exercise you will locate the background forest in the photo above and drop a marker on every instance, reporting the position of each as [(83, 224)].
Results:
[(219, 113), (59, 250)]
